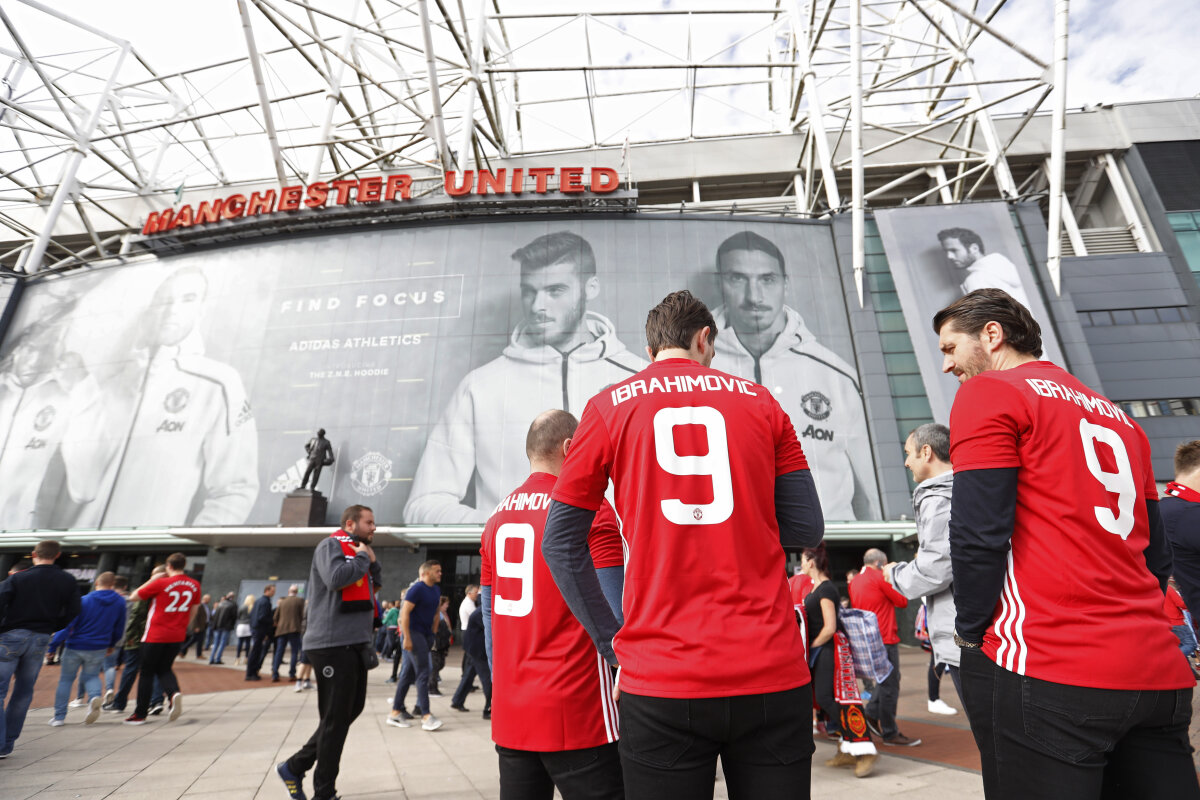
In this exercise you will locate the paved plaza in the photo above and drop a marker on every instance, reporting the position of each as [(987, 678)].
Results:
[(227, 742)]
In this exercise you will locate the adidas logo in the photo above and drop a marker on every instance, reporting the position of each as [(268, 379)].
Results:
[(290, 480)]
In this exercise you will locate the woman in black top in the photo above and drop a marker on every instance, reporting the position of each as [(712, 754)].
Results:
[(820, 617)]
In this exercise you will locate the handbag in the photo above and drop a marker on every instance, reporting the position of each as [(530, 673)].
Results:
[(369, 657)]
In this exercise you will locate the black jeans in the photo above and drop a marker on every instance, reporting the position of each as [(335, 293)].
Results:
[(464, 686), (156, 661), (669, 746), (822, 687), (593, 773), (1039, 739), (882, 705), (258, 651), (341, 694)]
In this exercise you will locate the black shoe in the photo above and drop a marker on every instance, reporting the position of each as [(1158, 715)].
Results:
[(487, 714), (434, 693), (405, 715), (293, 783), (900, 740), (274, 679), (254, 677), (873, 725), (459, 707), (156, 709)]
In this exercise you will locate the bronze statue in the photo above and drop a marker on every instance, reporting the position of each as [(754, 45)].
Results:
[(320, 454)]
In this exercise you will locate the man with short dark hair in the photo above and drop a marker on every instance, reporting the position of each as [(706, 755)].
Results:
[(980, 270), (224, 620), (340, 589), (262, 623), (870, 592), (560, 354), (771, 345), (1072, 680), (33, 604), (418, 623), (1181, 521), (927, 457), (707, 471), (555, 717), (170, 597)]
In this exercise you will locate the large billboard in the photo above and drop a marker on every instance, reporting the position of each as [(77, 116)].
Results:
[(182, 391), (938, 254)]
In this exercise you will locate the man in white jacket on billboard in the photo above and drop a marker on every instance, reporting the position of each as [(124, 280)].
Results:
[(558, 357), (772, 346), (979, 269)]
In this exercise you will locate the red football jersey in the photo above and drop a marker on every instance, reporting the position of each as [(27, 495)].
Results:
[(552, 691), (1079, 605), (694, 453), (870, 592), (170, 599), (1173, 607)]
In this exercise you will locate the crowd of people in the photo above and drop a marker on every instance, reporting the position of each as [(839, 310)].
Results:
[(625, 579)]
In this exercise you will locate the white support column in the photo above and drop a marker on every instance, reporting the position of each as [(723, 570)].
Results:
[(1125, 200), (816, 111), (435, 91), (66, 181), (474, 82), (264, 102), (858, 230), (695, 191), (332, 95), (799, 190), (1058, 131)]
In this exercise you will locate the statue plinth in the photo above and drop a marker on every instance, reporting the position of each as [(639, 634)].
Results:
[(303, 508)]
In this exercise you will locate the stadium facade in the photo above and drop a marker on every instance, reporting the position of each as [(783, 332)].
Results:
[(158, 398)]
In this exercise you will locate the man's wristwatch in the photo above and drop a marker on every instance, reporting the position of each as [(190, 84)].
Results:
[(961, 642)]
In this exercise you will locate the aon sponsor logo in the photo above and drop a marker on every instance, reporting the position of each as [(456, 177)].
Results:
[(820, 434)]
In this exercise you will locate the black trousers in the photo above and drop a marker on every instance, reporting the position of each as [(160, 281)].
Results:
[(822, 687), (1039, 739), (883, 703), (669, 746), (341, 694), (258, 651), (157, 659), (593, 773)]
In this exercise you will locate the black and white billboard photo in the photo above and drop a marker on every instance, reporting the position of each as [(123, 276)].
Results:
[(182, 391), (940, 253)]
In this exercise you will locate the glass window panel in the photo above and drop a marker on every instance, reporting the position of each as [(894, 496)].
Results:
[(1145, 316), (880, 282), (912, 407), (1101, 318), (896, 342), (907, 385), (1123, 317), (1189, 242), (900, 363), (1181, 221), (886, 301), (890, 321), (1170, 315)]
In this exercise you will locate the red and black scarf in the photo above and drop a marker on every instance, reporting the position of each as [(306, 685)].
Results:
[(1183, 492), (856, 740), (356, 596)]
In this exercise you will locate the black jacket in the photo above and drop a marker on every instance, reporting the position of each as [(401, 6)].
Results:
[(473, 642), (262, 618), (1181, 520), (43, 599), (225, 617)]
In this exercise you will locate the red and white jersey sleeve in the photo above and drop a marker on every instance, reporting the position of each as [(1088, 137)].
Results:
[(553, 691), (693, 454), (171, 599), (1079, 604)]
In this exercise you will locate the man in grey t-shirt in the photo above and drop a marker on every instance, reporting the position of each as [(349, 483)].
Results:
[(341, 608)]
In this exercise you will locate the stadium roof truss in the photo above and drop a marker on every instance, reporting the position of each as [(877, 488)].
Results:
[(93, 136)]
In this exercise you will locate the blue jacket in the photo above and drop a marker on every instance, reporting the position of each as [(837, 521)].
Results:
[(100, 624)]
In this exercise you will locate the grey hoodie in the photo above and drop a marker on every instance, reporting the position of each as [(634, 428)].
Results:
[(929, 573), (332, 570)]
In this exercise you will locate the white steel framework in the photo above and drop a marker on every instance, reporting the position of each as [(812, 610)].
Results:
[(881, 95)]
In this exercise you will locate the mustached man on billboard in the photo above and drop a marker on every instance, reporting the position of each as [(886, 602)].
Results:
[(558, 357), (190, 453), (772, 346)]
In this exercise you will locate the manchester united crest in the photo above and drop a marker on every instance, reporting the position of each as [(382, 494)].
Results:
[(371, 473), (816, 405), (44, 419), (176, 400)]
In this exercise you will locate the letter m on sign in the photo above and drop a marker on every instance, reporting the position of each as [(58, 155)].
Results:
[(157, 221)]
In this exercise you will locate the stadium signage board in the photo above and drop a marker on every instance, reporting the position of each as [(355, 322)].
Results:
[(383, 189)]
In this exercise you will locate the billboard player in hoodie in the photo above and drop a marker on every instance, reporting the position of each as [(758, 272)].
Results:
[(559, 355), (772, 346)]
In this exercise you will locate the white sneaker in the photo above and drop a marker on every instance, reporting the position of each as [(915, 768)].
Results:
[(108, 696), (78, 702), (299, 686), (176, 707), (939, 707), (57, 723), (93, 712), (430, 723)]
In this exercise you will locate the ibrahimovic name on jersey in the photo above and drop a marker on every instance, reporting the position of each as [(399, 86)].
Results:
[(553, 691)]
